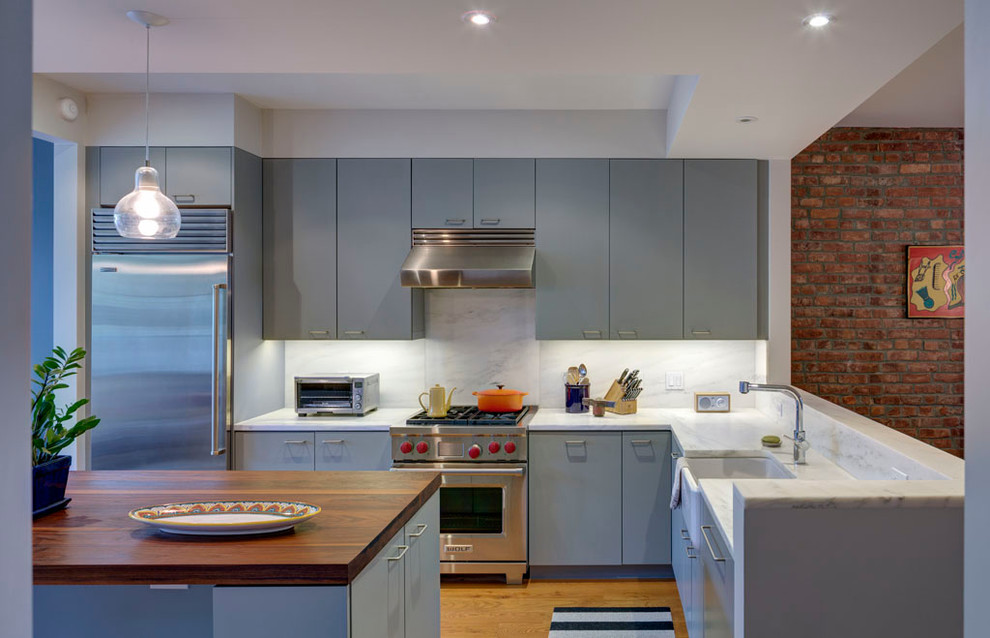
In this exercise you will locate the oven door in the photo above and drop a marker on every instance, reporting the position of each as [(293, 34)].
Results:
[(482, 510)]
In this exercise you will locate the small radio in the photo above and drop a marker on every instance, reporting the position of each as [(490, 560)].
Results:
[(711, 401)]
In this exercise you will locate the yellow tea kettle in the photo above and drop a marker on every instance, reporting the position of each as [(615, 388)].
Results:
[(439, 401)]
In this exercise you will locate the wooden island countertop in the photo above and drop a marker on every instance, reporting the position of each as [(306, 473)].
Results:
[(93, 542)]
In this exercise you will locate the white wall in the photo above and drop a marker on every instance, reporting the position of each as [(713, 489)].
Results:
[(475, 338), (454, 133), (15, 338), (177, 119), (977, 205)]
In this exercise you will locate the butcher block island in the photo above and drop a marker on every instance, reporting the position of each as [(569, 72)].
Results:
[(367, 565)]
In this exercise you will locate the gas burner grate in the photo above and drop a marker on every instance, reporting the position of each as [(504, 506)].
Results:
[(469, 415)]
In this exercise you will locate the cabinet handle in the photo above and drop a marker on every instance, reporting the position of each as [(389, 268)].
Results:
[(627, 334), (641, 442), (708, 541), (675, 455), (575, 442), (687, 550), (184, 199), (455, 222), (334, 442), (296, 442), (684, 535), (404, 548), (592, 334), (422, 530), (701, 332), (491, 221), (320, 333), (354, 333)]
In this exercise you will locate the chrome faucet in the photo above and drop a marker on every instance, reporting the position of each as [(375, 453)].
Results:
[(800, 440)]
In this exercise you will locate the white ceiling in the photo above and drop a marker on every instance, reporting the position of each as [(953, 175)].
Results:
[(927, 93), (753, 58)]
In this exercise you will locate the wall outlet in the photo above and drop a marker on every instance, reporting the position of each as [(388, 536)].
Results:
[(675, 380)]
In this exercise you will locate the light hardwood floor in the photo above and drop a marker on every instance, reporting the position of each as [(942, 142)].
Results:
[(493, 610)]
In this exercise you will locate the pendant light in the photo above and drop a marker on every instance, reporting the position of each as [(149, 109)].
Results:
[(146, 212)]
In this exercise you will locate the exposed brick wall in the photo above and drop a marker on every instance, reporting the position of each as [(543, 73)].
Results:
[(860, 196)]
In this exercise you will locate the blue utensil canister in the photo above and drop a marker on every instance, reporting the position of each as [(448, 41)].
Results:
[(574, 396)]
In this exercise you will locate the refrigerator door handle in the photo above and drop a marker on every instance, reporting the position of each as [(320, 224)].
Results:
[(218, 410)]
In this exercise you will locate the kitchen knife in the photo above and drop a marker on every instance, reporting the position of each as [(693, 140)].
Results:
[(622, 377), (635, 393)]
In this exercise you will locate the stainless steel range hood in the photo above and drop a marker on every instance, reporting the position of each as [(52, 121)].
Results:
[(470, 258)]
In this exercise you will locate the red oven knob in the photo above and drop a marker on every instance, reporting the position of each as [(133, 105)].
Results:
[(422, 447), (406, 447), (474, 451), (510, 447), (494, 447)]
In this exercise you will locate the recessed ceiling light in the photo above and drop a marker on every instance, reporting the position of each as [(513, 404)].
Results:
[(818, 20), (746, 119), (478, 18)]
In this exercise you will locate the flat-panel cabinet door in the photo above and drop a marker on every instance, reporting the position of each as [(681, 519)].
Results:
[(504, 193), (442, 193), (199, 176), (422, 595), (117, 166), (646, 498), (717, 565), (721, 267), (575, 492), (353, 451), (374, 234), (300, 248), (273, 451), (572, 258), (378, 594), (646, 227)]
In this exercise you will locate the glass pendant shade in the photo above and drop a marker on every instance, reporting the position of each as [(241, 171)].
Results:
[(145, 212)]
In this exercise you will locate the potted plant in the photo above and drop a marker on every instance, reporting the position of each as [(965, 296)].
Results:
[(49, 434)]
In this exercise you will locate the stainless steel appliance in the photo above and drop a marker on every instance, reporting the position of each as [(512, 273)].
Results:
[(470, 258), (160, 346), (354, 394), (482, 458)]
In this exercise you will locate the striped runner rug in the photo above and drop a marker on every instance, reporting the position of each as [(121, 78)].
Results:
[(617, 622)]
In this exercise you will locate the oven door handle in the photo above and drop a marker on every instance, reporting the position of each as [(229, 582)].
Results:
[(519, 471)]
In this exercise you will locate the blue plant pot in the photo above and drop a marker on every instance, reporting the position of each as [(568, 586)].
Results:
[(49, 484)]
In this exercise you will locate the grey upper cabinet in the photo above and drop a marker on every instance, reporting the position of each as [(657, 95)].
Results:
[(575, 492), (300, 248), (442, 193), (646, 467), (117, 166), (504, 193), (199, 176), (373, 238), (646, 203), (572, 248), (721, 265)]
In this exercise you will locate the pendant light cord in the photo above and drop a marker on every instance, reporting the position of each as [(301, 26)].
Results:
[(147, 102)]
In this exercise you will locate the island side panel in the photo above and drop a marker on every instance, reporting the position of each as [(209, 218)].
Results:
[(266, 612)]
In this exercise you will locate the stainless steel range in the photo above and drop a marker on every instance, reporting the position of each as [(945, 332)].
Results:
[(482, 459)]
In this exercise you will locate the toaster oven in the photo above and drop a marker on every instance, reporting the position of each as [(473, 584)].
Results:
[(345, 394)]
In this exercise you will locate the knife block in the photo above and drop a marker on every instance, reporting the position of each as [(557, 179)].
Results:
[(621, 407)]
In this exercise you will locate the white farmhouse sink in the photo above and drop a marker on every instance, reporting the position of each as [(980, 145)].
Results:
[(738, 467)]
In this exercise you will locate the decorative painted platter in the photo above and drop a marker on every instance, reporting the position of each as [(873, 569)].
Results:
[(225, 518)]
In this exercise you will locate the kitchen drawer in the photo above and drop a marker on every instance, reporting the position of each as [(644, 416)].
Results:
[(353, 451), (274, 450)]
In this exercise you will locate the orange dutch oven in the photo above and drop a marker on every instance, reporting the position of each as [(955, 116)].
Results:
[(500, 400)]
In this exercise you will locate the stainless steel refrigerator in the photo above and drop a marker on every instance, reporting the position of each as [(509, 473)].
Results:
[(159, 359)]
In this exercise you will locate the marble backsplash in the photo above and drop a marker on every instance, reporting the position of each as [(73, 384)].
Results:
[(475, 338)]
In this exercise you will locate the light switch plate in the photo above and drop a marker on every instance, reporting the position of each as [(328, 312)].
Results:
[(675, 381), (711, 401)]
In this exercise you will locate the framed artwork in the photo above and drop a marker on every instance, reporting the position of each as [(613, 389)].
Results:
[(936, 282)]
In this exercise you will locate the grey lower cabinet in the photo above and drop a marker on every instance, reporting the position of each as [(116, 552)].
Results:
[(504, 193), (722, 219), (646, 464), (117, 167), (645, 234), (301, 450), (262, 612), (572, 248), (374, 226), (398, 594), (686, 562), (300, 248), (442, 193), (199, 176), (717, 577)]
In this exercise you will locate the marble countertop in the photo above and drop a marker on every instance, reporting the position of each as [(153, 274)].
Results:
[(286, 419)]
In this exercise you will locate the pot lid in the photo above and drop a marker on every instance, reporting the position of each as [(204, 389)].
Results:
[(500, 391)]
